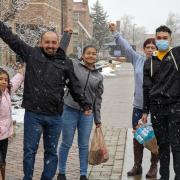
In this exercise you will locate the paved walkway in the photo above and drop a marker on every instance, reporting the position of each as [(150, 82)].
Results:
[(115, 139), (112, 170)]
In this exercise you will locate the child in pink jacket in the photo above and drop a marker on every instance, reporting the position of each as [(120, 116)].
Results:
[(7, 88)]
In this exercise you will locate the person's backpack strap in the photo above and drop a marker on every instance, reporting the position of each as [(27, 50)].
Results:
[(174, 60), (151, 67)]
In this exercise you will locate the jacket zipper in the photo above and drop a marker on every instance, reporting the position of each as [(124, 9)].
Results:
[(86, 82), (84, 86)]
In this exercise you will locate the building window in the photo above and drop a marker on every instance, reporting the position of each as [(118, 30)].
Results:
[(76, 16)]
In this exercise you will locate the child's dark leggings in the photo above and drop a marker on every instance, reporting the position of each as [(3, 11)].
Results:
[(3, 151)]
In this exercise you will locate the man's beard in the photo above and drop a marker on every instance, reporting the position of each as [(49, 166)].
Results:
[(50, 53)]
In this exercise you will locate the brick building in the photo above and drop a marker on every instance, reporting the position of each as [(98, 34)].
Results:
[(36, 15), (83, 26)]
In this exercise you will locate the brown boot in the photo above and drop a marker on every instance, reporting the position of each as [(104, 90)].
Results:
[(152, 173), (2, 170), (138, 155)]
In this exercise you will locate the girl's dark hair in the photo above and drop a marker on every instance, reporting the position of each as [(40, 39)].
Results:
[(2, 71), (149, 41), (89, 46)]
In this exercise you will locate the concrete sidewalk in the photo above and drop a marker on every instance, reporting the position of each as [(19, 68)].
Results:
[(128, 161)]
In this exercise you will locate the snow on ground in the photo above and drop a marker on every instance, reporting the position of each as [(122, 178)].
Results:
[(18, 115), (118, 66), (108, 71)]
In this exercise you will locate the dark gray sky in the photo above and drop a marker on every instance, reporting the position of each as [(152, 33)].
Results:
[(148, 13)]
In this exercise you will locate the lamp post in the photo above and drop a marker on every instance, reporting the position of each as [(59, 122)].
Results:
[(134, 33)]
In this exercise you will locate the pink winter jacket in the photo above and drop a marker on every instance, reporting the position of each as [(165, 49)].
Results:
[(6, 124)]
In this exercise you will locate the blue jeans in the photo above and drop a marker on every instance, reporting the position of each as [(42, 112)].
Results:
[(34, 125), (73, 119), (136, 116)]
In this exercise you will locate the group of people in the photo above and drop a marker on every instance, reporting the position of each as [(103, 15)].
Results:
[(48, 110), (157, 92)]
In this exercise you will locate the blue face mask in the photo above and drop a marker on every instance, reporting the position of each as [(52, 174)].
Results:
[(162, 45)]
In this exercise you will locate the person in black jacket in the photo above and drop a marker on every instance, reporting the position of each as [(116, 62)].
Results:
[(47, 72), (161, 90)]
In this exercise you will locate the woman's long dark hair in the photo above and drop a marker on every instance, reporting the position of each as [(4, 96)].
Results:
[(2, 71)]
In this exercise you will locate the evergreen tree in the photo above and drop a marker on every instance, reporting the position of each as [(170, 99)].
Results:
[(100, 25)]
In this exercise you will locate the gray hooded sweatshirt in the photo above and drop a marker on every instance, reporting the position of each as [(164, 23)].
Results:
[(137, 61), (92, 83)]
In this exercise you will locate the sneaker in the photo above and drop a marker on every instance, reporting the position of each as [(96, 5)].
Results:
[(61, 177), (83, 177)]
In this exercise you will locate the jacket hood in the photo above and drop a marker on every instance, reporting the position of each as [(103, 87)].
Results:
[(95, 67)]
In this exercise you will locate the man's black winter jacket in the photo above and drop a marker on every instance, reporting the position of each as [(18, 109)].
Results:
[(45, 76), (161, 83)]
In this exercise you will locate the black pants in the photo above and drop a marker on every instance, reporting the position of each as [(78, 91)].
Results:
[(166, 124), (3, 151)]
